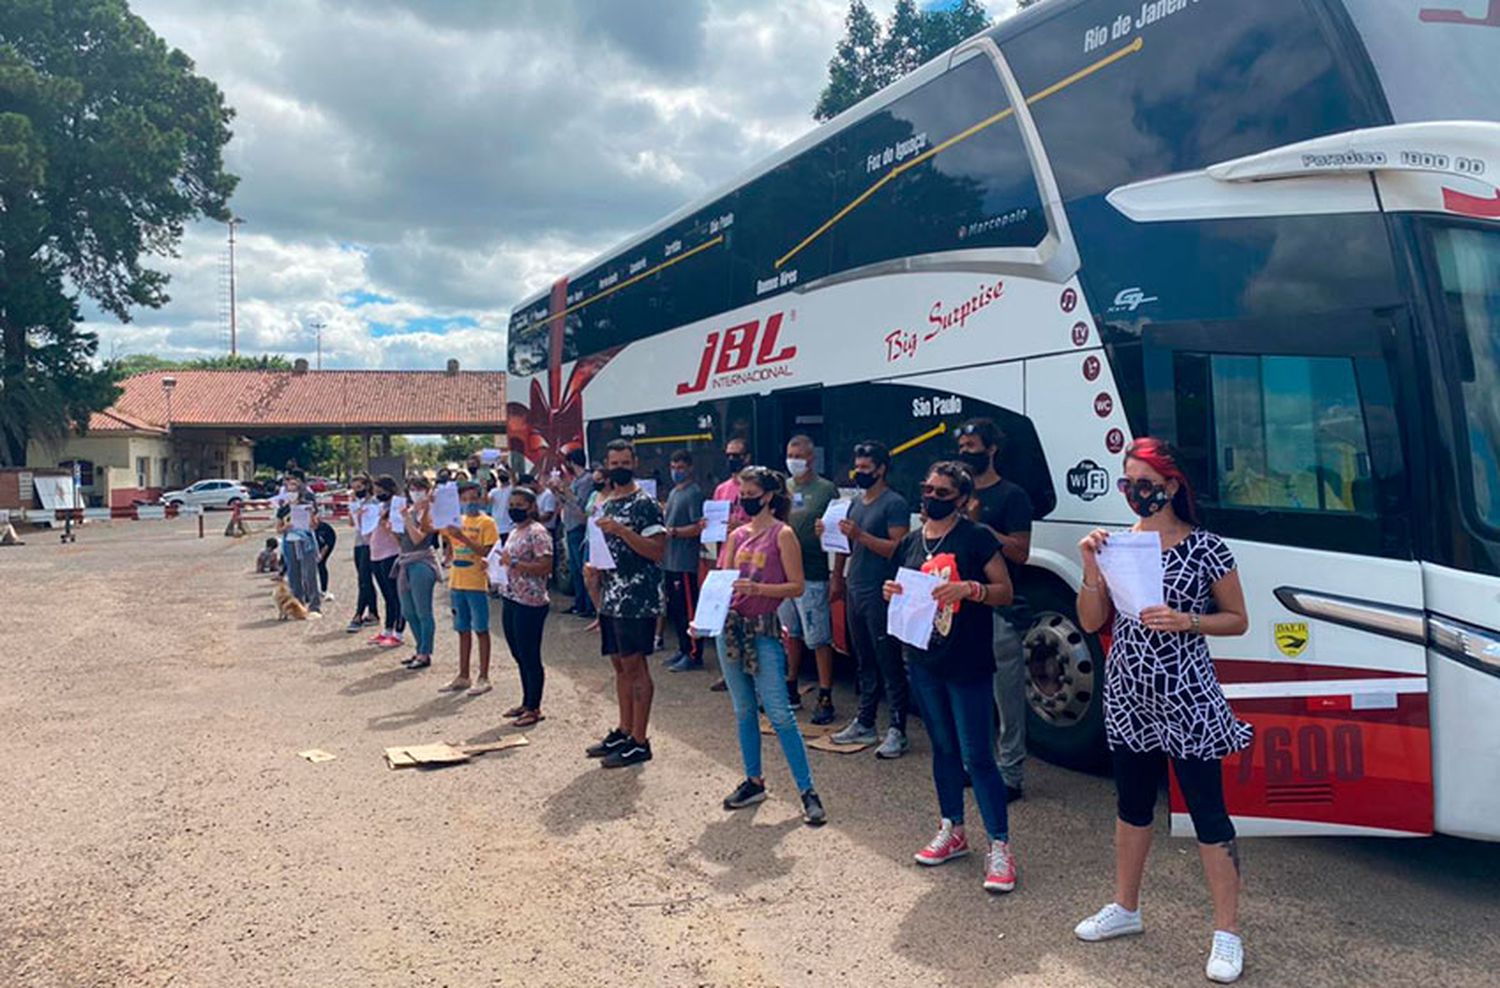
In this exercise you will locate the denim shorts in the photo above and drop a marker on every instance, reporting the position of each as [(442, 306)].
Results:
[(807, 617), (471, 611)]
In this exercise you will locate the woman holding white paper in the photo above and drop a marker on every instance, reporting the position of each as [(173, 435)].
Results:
[(768, 556), (952, 676), (416, 571), (1162, 701), (527, 558)]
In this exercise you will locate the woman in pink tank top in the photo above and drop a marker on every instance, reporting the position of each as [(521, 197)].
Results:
[(768, 557)]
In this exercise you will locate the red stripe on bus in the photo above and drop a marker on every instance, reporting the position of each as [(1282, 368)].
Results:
[(1287, 671)]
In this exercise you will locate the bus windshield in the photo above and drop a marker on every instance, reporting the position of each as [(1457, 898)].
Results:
[(1469, 266)]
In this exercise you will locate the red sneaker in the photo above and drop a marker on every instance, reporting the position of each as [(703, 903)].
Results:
[(389, 641), (1000, 868), (946, 846)]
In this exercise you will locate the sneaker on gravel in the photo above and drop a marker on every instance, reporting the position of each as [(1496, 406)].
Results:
[(632, 752), (480, 688), (999, 868), (947, 845), (687, 664), (824, 714), (793, 695), (1226, 959), (672, 660), (456, 685), (718, 685), (1114, 920), (1013, 793), (855, 733), (894, 746), (376, 639), (747, 793), (813, 813), (389, 641), (614, 739), (354, 627)]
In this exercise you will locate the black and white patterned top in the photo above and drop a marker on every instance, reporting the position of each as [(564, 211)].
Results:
[(1160, 690)]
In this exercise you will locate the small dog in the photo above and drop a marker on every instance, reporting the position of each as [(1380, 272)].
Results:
[(287, 606)]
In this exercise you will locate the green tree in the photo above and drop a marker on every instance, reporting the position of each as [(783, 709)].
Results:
[(853, 71), (904, 46), (109, 144), (144, 363)]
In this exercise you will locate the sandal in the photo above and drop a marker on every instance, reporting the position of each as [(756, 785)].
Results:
[(418, 662), (530, 717), (514, 712)]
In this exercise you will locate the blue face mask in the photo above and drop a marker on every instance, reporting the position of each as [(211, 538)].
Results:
[(679, 476), (473, 509)]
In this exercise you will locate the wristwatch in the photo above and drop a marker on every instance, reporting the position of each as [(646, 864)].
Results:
[(1196, 627)]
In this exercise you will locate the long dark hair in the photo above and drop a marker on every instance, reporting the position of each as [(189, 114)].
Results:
[(771, 483), (1162, 456)]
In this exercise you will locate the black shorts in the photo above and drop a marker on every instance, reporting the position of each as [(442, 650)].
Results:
[(627, 636)]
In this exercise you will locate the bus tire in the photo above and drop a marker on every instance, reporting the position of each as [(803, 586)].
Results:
[(1064, 681)]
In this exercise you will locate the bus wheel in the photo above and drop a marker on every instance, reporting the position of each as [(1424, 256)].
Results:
[(1064, 683)]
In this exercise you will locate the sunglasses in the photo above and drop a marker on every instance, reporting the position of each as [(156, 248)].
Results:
[(866, 449), (941, 493), (1142, 487)]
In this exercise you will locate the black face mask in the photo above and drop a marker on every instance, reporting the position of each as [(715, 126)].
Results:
[(938, 509), (752, 505), (1149, 502), (735, 463), (621, 476), (519, 515), (598, 485), (977, 463), (383, 496), (865, 480)]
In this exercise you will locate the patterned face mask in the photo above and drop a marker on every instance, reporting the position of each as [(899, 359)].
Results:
[(1144, 497)]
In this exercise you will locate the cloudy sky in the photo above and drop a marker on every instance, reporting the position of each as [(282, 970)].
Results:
[(410, 169)]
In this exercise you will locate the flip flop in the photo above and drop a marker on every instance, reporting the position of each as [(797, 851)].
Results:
[(530, 717), (514, 712)]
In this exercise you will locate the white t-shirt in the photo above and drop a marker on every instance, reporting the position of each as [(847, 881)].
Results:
[(500, 510), (546, 503)]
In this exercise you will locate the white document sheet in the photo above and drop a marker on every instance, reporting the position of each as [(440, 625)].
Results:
[(369, 518), (913, 611), (599, 555), (716, 514), (302, 517), (833, 539), (398, 524), (498, 574), (649, 486), (713, 602), (446, 511), (1131, 564)]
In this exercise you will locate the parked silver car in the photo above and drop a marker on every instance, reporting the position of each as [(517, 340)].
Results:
[(208, 494)]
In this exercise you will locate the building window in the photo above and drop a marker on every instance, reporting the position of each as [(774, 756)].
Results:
[(85, 471), (143, 472)]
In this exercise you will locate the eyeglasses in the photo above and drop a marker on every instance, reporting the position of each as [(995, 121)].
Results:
[(867, 449), (941, 493), (1141, 488)]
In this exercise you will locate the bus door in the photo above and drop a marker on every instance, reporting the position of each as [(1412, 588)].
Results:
[(784, 414), (1289, 427)]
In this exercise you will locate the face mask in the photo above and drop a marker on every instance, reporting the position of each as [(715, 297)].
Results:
[(621, 476), (1147, 503), (598, 485), (937, 509), (796, 467), (736, 463), (752, 506), (976, 462), (519, 515), (382, 496), (679, 476), (865, 480), (473, 509)]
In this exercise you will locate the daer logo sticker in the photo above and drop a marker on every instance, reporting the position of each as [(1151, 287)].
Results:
[(1291, 638)]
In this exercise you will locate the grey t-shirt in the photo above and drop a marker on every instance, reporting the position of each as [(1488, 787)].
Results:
[(868, 571), (684, 507)]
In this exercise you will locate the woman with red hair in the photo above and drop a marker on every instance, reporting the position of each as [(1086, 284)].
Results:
[(1162, 701)]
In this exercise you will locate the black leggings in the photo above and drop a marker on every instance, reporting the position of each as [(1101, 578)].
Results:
[(1138, 777), (384, 571), (523, 625), (366, 604)]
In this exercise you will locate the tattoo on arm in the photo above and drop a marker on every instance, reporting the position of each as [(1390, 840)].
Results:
[(1232, 848)]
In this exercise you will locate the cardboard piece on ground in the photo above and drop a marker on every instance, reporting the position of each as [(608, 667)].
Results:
[(826, 744), (405, 756), (316, 755), (510, 741), (808, 731)]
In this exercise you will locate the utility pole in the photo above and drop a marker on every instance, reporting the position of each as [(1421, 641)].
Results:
[(234, 347), (317, 328)]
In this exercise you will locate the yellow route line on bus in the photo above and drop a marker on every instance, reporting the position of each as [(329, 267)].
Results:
[(634, 278), (705, 436), (963, 135), (941, 428)]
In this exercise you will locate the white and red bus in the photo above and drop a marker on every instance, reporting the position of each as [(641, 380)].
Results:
[(1269, 232)]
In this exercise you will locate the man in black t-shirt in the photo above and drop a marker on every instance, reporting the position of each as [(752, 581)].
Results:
[(1005, 509)]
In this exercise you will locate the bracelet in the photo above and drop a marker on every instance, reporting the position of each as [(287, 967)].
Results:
[(1197, 624), (977, 592)]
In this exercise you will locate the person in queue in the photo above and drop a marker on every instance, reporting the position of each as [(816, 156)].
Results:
[(469, 588), (736, 458), (807, 618), (684, 520), (416, 571), (499, 497), (878, 520), (366, 605), (1005, 509), (478, 472), (299, 547), (527, 558), (629, 601), (384, 548), (951, 677), (574, 493), (1162, 701), (768, 556)]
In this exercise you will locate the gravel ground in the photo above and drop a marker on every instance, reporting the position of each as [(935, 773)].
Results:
[(157, 827)]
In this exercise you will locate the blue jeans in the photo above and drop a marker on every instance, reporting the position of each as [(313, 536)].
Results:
[(576, 537), (416, 605), (300, 550), (768, 687), (960, 720), (471, 611)]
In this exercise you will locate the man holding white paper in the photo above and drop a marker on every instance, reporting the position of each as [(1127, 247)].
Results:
[(684, 519), (807, 618)]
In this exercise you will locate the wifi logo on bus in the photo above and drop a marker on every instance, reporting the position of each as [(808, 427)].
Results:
[(741, 354)]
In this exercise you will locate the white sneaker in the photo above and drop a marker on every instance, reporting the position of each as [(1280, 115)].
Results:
[(1227, 958), (1114, 920)]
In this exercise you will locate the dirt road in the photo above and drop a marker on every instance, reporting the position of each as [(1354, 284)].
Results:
[(158, 829)]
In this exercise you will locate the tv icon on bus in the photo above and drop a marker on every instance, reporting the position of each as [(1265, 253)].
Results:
[(1088, 480)]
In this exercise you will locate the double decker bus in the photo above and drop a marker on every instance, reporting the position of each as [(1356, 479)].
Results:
[(1268, 232)]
